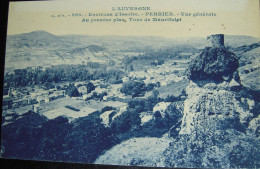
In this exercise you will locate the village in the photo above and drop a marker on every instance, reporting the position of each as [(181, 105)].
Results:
[(56, 102)]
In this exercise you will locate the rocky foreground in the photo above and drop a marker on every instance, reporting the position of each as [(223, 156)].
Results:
[(219, 127)]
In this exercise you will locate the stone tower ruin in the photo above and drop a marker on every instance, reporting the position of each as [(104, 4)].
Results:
[(215, 63), (216, 40)]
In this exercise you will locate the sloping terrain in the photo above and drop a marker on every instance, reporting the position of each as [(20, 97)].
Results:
[(41, 48), (146, 151), (249, 68), (177, 122)]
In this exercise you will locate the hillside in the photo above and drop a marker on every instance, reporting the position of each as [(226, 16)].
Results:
[(145, 101), (137, 152), (40, 48)]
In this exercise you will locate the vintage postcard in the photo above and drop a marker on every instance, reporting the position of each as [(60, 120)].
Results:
[(167, 83)]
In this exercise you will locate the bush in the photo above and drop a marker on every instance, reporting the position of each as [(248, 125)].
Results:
[(150, 86), (133, 88), (107, 108), (90, 87), (221, 149), (72, 91), (87, 139), (157, 62), (141, 105), (97, 96), (49, 85)]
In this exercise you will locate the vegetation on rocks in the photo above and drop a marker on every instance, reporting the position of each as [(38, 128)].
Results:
[(213, 64)]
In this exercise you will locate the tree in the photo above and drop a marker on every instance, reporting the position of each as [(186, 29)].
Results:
[(72, 91), (49, 85), (90, 87), (134, 88)]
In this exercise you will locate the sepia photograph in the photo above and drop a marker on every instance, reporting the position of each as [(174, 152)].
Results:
[(133, 83)]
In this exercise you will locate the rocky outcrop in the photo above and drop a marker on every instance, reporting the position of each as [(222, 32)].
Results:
[(220, 123), (216, 106), (215, 63), (172, 111), (219, 129), (221, 149), (212, 109), (250, 68), (161, 107)]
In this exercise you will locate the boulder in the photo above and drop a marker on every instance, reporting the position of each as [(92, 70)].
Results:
[(207, 109), (107, 117), (213, 64), (161, 107)]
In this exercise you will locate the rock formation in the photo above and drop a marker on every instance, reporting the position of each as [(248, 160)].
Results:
[(220, 123), (211, 109), (215, 63)]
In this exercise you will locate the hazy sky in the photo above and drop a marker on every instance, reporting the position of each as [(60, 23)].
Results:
[(236, 17)]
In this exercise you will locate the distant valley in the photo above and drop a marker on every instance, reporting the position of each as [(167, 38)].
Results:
[(142, 101)]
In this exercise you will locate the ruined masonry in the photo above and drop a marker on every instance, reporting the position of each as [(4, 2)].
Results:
[(215, 63), (216, 41)]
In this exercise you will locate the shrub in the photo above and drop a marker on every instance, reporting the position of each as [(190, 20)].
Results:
[(150, 86), (90, 87), (133, 88), (107, 108), (157, 62), (72, 91), (221, 149)]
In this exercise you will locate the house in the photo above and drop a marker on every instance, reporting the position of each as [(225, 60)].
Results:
[(7, 101), (46, 99), (36, 108), (10, 116), (34, 95), (107, 117), (40, 99), (59, 94), (20, 102), (83, 89), (32, 101), (52, 97)]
